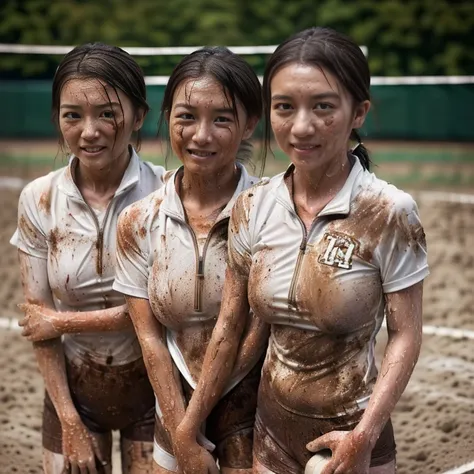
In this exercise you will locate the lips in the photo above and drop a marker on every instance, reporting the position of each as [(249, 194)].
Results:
[(304, 147), (92, 150), (201, 153)]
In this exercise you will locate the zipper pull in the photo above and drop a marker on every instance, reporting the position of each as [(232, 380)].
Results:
[(200, 272)]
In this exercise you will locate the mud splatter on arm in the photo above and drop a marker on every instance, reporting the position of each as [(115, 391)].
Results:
[(49, 354), (162, 372), (222, 351), (404, 326)]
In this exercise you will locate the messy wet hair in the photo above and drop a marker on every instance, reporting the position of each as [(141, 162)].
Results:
[(238, 80), (110, 65), (327, 49)]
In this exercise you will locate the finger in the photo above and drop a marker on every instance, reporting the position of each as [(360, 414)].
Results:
[(100, 456), (213, 469), (327, 441), (74, 468)]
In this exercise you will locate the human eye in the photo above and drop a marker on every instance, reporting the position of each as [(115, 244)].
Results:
[(324, 106), (108, 114), (185, 116), (223, 119), (282, 106), (71, 115)]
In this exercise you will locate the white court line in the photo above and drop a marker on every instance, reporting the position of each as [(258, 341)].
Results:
[(467, 468)]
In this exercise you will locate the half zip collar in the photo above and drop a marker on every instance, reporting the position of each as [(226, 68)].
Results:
[(130, 178), (339, 204), (172, 205)]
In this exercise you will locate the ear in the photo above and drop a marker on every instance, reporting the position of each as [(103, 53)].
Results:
[(360, 112), (139, 119), (250, 127)]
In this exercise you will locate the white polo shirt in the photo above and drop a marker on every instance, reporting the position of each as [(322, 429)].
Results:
[(77, 244), (160, 258), (322, 291)]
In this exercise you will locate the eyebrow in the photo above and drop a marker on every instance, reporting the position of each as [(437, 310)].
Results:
[(99, 106), (324, 95), (229, 110)]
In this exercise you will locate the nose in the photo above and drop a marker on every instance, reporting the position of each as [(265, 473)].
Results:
[(303, 124), (90, 129), (202, 134)]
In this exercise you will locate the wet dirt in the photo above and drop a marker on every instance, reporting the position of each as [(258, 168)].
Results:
[(433, 420)]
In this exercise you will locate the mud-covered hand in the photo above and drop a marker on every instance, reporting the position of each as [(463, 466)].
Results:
[(39, 322), (192, 457), (351, 452), (81, 450)]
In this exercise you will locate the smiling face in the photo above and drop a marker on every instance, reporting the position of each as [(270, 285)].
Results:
[(312, 116), (96, 123), (205, 131)]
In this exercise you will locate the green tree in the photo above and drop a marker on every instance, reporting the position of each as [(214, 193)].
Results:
[(403, 37)]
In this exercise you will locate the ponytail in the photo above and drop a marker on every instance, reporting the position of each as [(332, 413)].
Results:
[(360, 151)]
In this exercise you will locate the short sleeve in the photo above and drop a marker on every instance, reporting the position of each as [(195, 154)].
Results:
[(402, 251), (30, 236), (239, 253), (131, 269)]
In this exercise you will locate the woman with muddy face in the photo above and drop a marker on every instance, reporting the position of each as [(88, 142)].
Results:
[(320, 253), (171, 257), (84, 340)]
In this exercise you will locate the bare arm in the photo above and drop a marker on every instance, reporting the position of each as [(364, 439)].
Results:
[(162, 372), (404, 326), (222, 352), (351, 451), (42, 323), (49, 354)]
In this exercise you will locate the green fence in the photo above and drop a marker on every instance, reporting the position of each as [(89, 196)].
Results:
[(408, 112)]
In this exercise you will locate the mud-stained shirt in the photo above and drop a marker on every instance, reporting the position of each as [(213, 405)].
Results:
[(322, 290), (77, 244), (160, 258)]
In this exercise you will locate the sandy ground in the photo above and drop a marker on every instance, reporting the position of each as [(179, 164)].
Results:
[(434, 421)]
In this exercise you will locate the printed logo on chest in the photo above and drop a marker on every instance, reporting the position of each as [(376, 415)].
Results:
[(339, 249)]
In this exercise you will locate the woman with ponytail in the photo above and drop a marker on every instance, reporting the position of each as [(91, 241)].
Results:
[(320, 253)]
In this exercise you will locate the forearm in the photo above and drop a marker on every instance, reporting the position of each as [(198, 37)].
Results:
[(164, 378), (253, 344), (217, 369), (399, 360), (51, 362), (110, 319)]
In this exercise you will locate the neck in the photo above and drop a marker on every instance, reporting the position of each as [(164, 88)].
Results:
[(203, 191), (102, 181), (322, 183)]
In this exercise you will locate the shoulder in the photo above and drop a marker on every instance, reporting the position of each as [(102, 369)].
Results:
[(257, 189), (142, 211), (39, 192), (382, 197)]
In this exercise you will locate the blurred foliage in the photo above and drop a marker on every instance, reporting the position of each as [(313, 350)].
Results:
[(419, 37)]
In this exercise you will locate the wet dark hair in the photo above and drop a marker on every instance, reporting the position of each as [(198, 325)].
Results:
[(238, 80), (327, 49), (109, 64)]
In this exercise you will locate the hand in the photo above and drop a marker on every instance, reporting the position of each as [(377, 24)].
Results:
[(39, 323), (351, 452), (192, 457), (81, 451)]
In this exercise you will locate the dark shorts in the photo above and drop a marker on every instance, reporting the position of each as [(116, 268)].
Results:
[(230, 425), (281, 436), (107, 398)]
